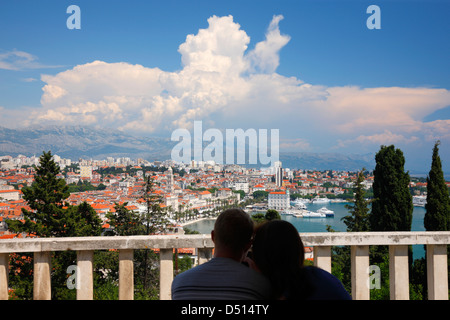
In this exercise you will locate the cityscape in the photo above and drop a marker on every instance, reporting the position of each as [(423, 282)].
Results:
[(128, 127), (189, 191)]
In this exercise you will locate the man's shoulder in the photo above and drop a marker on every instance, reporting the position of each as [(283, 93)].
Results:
[(220, 278)]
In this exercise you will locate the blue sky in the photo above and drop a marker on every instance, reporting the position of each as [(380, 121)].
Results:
[(319, 75)]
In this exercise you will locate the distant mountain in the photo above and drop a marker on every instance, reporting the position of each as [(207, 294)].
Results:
[(327, 161), (76, 142)]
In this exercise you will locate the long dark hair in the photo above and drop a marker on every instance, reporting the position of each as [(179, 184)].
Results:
[(279, 253)]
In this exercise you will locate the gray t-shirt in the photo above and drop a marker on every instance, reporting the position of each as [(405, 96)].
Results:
[(220, 279)]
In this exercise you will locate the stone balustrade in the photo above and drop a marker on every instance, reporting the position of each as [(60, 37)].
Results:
[(398, 242)]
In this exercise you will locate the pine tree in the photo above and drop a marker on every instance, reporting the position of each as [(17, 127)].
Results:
[(392, 206), (359, 210), (437, 216), (46, 198), (51, 217)]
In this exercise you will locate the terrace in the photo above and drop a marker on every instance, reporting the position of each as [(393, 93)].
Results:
[(398, 242)]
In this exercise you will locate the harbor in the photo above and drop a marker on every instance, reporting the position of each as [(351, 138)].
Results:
[(320, 224)]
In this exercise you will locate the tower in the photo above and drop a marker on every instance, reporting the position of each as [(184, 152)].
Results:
[(278, 174)]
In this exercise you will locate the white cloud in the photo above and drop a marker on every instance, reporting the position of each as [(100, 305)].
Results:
[(20, 60), (385, 138), (229, 86), (265, 57)]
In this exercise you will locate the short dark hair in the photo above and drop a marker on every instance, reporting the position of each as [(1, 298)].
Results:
[(233, 229)]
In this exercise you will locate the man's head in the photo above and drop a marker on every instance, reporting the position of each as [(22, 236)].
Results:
[(232, 233)]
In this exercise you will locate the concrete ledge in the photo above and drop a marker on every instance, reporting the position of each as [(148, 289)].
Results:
[(204, 241)]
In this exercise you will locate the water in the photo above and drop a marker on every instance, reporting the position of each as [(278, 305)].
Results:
[(305, 225)]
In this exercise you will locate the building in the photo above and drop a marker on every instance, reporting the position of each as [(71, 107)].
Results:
[(85, 171), (279, 200), (242, 186), (10, 195), (278, 174)]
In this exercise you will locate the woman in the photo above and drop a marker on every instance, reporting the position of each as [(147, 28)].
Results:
[(278, 253)]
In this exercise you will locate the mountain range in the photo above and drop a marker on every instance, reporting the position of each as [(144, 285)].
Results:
[(75, 142)]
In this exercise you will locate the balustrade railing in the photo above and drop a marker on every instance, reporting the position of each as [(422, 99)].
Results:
[(436, 244)]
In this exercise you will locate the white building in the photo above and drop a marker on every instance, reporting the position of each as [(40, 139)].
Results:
[(11, 195), (279, 200), (241, 186), (278, 174)]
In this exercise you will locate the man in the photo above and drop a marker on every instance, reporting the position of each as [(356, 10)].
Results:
[(225, 277)]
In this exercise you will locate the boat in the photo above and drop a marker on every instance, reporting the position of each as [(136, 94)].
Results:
[(287, 212), (327, 212), (299, 205), (300, 201), (312, 214), (320, 200), (419, 201)]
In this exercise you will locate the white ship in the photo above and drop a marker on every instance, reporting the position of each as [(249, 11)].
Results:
[(320, 200), (419, 201), (299, 205), (312, 214), (327, 212)]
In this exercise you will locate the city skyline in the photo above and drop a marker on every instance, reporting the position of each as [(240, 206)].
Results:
[(313, 70)]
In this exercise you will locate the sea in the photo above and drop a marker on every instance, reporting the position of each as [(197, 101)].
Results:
[(305, 225)]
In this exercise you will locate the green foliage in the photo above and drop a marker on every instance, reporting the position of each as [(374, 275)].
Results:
[(50, 217), (259, 218), (241, 192), (272, 214), (260, 195), (392, 207), (84, 186), (47, 217), (190, 231), (184, 263), (359, 218), (437, 216), (124, 222)]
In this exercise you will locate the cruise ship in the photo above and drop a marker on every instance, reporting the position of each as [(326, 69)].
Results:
[(326, 211), (318, 200), (419, 201)]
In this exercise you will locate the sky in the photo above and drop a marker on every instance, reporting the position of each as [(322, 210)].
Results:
[(312, 69)]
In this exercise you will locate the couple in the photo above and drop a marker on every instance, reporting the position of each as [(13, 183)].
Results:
[(275, 270)]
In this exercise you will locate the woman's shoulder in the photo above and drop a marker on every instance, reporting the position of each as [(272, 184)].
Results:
[(326, 285)]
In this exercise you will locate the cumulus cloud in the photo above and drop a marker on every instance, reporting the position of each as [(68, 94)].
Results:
[(265, 57), (228, 85)]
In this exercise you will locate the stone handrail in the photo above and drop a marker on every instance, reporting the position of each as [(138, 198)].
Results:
[(436, 243)]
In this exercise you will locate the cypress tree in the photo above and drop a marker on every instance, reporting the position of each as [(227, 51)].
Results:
[(392, 206), (437, 216), (359, 210)]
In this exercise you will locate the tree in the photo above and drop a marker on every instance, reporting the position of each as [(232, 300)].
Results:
[(272, 214), (155, 219), (392, 206), (124, 221), (437, 216), (47, 217), (51, 217), (359, 210)]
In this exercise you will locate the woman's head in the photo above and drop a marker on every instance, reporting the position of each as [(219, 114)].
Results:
[(279, 253)]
